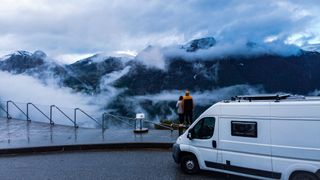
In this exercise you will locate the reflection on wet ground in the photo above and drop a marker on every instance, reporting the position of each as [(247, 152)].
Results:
[(20, 133)]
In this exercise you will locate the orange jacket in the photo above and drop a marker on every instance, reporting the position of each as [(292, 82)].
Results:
[(187, 104)]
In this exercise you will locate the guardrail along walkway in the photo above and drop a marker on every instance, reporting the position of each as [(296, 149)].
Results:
[(21, 134)]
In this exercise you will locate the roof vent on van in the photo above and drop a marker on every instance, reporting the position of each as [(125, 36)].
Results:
[(276, 97)]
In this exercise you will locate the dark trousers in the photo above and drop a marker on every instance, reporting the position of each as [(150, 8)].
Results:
[(188, 117), (181, 118)]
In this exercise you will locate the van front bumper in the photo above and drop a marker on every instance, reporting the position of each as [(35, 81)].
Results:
[(175, 152)]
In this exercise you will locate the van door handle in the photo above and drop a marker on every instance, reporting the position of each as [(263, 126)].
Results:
[(214, 144)]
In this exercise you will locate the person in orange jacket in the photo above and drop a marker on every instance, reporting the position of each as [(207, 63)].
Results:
[(188, 106)]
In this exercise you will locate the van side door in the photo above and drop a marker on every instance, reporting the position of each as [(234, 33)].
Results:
[(204, 139), (245, 146)]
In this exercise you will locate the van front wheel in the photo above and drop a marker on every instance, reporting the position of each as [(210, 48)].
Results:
[(189, 164), (302, 175)]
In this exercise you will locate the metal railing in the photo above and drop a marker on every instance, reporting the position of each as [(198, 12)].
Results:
[(118, 118), (158, 124), (13, 103), (50, 116), (3, 109), (83, 112), (123, 120), (102, 124), (54, 106), (50, 120)]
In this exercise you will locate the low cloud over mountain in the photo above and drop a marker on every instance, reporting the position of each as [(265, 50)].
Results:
[(152, 81)]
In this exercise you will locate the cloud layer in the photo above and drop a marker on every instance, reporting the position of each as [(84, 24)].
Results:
[(89, 26), (23, 89)]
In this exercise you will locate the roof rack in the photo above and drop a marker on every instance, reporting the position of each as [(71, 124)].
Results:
[(275, 97)]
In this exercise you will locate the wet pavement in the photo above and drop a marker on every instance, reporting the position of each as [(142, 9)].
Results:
[(20, 133), (107, 163), (133, 164)]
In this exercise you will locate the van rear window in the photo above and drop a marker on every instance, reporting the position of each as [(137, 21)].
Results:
[(244, 128)]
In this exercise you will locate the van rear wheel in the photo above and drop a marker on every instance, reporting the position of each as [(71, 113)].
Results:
[(303, 175), (189, 164)]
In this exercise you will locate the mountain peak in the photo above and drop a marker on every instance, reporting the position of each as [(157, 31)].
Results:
[(22, 61), (36, 55), (96, 58), (202, 43), (21, 53), (39, 54)]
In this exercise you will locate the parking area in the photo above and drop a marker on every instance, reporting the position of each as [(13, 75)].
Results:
[(120, 164)]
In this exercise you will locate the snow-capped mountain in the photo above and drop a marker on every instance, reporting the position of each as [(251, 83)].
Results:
[(202, 43), (22, 61), (39, 66), (91, 70), (135, 85)]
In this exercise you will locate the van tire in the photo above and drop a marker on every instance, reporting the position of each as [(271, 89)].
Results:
[(303, 175), (189, 164)]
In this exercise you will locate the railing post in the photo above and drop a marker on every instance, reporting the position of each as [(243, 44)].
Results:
[(75, 118), (75, 125), (8, 117), (28, 119), (140, 124), (102, 122), (51, 113)]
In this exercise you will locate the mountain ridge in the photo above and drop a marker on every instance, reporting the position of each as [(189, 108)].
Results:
[(133, 79)]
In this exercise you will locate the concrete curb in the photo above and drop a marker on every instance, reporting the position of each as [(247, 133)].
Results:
[(84, 147)]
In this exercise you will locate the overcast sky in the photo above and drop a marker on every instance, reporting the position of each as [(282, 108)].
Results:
[(73, 29)]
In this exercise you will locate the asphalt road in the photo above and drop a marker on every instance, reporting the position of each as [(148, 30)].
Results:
[(123, 164)]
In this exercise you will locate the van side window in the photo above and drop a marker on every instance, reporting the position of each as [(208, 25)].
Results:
[(244, 128), (204, 129)]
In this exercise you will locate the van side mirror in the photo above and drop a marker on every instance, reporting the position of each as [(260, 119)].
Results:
[(190, 134)]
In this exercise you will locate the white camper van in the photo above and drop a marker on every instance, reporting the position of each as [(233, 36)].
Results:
[(262, 136)]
